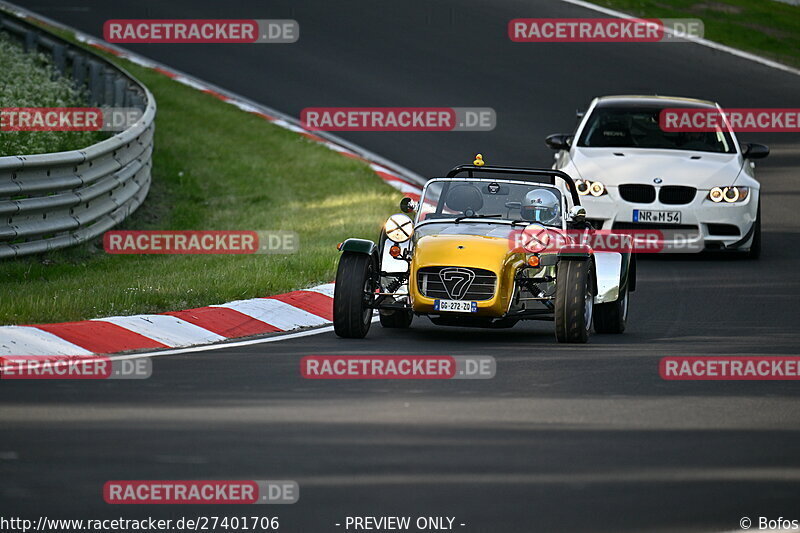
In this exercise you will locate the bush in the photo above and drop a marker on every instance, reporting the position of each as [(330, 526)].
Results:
[(31, 80)]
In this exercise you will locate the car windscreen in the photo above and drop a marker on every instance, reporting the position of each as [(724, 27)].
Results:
[(531, 202), (638, 127)]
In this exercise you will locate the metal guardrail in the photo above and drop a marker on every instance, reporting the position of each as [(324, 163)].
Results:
[(51, 201)]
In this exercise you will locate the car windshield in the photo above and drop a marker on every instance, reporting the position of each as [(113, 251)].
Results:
[(638, 127), (453, 200)]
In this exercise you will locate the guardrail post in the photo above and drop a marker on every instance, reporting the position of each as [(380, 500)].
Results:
[(119, 92), (58, 59), (108, 88), (31, 42), (79, 72), (94, 82)]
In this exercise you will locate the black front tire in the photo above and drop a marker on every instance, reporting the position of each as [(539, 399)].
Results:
[(574, 301), (353, 295), (755, 247), (612, 317)]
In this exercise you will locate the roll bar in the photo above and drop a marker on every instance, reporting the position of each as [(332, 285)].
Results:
[(521, 171)]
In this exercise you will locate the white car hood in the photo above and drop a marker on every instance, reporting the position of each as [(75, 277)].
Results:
[(674, 167)]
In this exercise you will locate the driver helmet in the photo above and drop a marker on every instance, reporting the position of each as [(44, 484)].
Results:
[(540, 205)]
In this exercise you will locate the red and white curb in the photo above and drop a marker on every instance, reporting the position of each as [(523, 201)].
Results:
[(176, 329), (205, 325)]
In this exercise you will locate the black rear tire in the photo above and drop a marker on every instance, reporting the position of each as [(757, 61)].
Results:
[(353, 294), (574, 301), (612, 317), (396, 318)]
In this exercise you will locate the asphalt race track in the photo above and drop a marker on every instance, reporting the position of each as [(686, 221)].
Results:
[(565, 438)]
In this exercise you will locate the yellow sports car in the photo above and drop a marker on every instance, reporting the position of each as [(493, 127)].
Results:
[(479, 253)]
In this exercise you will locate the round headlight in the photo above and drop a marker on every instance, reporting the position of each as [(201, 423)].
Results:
[(399, 228), (715, 195), (536, 238), (582, 186), (731, 194), (598, 189)]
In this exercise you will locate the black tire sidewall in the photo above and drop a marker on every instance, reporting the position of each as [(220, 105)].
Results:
[(351, 318), (573, 280)]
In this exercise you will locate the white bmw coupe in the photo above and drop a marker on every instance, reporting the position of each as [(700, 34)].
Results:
[(631, 174)]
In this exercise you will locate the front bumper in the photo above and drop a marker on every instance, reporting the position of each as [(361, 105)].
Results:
[(704, 225), (494, 307)]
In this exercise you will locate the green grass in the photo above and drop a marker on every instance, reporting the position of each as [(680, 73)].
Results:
[(215, 167), (31, 80), (765, 27)]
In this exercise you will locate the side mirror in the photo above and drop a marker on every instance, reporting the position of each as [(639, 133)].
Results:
[(407, 205), (559, 141), (755, 151), (577, 213)]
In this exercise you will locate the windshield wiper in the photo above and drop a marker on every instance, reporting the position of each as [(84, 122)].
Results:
[(462, 217)]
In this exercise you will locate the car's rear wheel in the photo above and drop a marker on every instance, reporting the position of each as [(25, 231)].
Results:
[(612, 317), (574, 303), (353, 295), (396, 318)]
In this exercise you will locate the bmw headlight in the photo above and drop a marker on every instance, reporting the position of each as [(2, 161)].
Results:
[(399, 228), (595, 188), (729, 195)]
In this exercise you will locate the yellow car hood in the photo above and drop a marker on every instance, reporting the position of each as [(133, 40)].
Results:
[(476, 251)]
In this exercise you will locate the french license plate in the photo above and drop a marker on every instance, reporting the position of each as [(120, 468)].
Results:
[(457, 306), (664, 217)]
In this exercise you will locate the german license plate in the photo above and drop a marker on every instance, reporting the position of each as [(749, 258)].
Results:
[(457, 306), (663, 217)]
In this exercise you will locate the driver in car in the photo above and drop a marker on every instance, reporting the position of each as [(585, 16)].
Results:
[(542, 206)]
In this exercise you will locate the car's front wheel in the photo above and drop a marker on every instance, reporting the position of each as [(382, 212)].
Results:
[(353, 295), (755, 246), (574, 303)]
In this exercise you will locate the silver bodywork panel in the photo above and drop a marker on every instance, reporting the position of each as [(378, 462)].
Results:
[(389, 263), (608, 268)]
